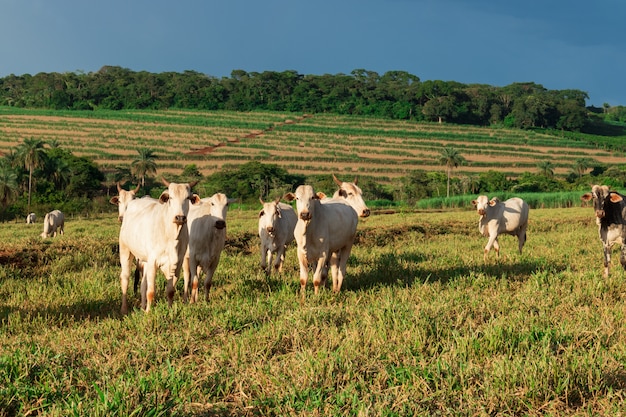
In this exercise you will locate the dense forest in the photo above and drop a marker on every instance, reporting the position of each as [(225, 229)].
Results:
[(395, 94)]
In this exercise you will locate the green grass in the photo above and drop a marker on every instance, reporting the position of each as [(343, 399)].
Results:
[(421, 327)]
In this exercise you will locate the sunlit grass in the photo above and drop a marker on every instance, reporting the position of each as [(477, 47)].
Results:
[(422, 326)]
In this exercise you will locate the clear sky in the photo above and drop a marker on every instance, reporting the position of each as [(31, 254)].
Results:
[(560, 44)]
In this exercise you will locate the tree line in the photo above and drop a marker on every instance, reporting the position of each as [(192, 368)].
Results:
[(394, 94)]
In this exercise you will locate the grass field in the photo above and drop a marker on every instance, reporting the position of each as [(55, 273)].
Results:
[(305, 144), (421, 327)]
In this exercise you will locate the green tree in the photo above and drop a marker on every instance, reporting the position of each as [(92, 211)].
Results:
[(581, 165), (8, 184), (451, 158), (31, 154), (144, 164)]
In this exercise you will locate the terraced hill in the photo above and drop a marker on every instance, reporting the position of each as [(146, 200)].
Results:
[(308, 144)]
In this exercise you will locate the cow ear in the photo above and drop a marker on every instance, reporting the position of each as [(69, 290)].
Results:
[(474, 203), (289, 196), (195, 199), (615, 198), (586, 197), (115, 200), (494, 201), (164, 197), (319, 196)]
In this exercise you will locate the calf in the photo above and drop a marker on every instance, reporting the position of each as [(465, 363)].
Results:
[(30, 219), (207, 235), (154, 231), (276, 223), (610, 210), (323, 232), (497, 217), (53, 221)]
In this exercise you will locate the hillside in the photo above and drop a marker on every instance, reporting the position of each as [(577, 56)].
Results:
[(307, 144)]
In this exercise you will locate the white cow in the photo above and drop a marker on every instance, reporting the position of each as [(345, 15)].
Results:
[(497, 217), (351, 193), (276, 223), (207, 237), (154, 232), (53, 221), (323, 232), (122, 199), (30, 219)]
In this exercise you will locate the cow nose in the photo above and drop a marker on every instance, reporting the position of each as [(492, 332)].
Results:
[(481, 212), (270, 229), (365, 213), (599, 214), (180, 219), (220, 224), (305, 215)]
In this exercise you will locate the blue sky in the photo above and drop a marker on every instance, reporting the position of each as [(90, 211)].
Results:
[(560, 44)]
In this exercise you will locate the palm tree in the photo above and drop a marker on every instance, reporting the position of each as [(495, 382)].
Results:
[(33, 155), (546, 168), (451, 158), (8, 184), (144, 164), (581, 165)]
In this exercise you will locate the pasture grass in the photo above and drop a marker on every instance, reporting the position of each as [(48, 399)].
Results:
[(422, 326)]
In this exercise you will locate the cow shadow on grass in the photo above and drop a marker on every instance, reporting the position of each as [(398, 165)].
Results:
[(406, 270)]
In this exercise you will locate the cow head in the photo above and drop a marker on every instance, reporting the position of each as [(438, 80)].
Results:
[(218, 206), (482, 204), (177, 197), (352, 194), (601, 195), (307, 201), (122, 199), (269, 215)]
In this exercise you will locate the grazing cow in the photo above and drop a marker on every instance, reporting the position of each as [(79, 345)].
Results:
[(352, 194), (122, 199), (53, 221), (496, 217), (610, 209), (324, 232), (207, 235), (276, 223), (30, 219), (154, 232)]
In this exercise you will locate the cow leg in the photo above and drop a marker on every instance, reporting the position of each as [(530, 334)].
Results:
[(334, 270), (521, 238), (280, 258), (496, 247), (343, 262), (195, 282), (125, 262), (304, 272), (492, 241), (149, 277), (186, 277), (607, 260), (317, 275), (208, 279), (265, 254), (622, 259)]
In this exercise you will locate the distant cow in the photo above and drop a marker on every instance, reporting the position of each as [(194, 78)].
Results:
[(276, 224), (154, 231), (323, 232), (610, 210), (206, 223), (53, 221), (497, 217), (30, 219), (352, 194), (122, 199)]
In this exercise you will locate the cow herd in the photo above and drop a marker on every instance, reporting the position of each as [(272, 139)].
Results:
[(180, 230)]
